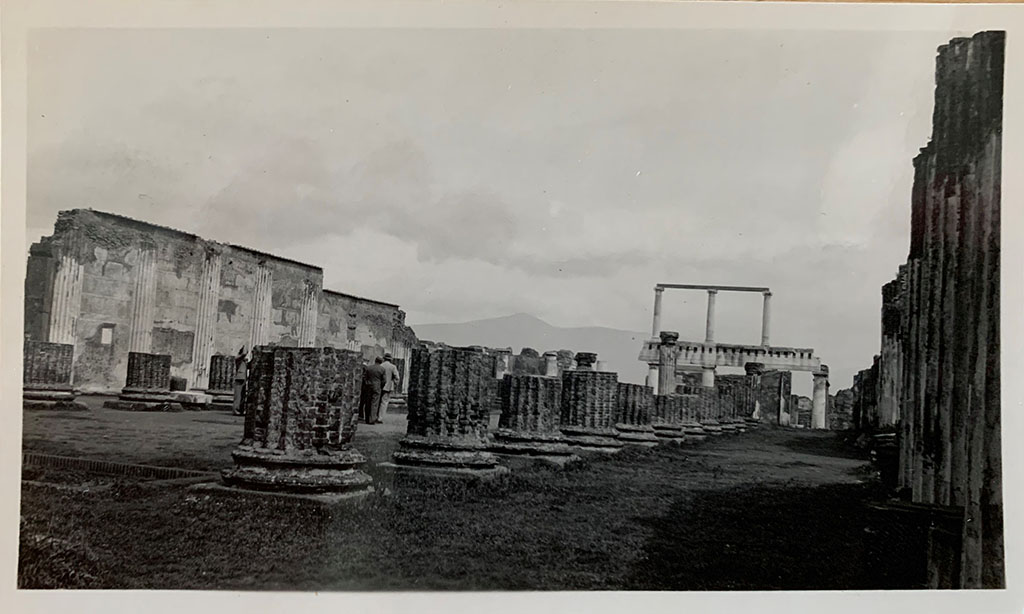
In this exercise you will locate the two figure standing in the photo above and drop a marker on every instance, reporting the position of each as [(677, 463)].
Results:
[(379, 381)]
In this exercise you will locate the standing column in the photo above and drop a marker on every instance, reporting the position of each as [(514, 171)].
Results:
[(766, 318), (551, 364), (143, 299), (710, 334), (819, 399), (656, 326), (707, 377), (652, 377), (261, 308), (67, 300), (206, 321), (308, 316), (667, 353)]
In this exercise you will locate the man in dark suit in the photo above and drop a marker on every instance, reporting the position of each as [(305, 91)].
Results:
[(373, 386)]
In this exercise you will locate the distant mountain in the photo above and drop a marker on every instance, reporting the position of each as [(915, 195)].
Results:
[(617, 348)]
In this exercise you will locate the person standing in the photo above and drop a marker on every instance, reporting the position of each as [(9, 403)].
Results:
[(390, 382), (241, 373), (369, 398)]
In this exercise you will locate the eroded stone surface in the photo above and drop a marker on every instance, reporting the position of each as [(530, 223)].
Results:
[(448, 414), (301, 409)]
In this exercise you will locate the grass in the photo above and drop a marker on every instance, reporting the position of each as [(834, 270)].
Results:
[(766, 510)]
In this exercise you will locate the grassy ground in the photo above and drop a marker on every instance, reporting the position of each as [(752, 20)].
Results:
[(771, 509)]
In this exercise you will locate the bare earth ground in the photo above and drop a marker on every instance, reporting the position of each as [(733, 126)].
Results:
[(768, 509)]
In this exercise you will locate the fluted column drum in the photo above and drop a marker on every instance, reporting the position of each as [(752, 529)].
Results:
[(634, 404), (301, 409), (588, 408), (531, 408), (448, 417)]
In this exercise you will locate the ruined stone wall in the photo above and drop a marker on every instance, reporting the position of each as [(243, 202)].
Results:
[(866, 397), (366, 326), (890, 361), (108, 285), (949, 404), (841, 416)]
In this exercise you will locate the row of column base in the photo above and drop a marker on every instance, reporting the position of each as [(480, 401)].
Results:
[(56, 398)]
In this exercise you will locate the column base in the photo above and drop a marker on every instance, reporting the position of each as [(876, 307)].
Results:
[(694, 432), (593, 440), (133, 401), (712, 427), (310, 471), (506, 441), (398, 473), (670, 433), (637, 435), (445, 453), (42, 401)]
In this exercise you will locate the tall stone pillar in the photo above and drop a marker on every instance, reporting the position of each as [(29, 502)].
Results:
[(530, 417), (206, 321), (707, 377), (667, 355), (447, 432), (656, 325), (588, 406), (262, 306), (301, 409), (143, 302), (766, 318), (652, 377), (551, 364), (634, 404), (308, 315), (709, 336), (819, 399), (66, 303), (752, 393)]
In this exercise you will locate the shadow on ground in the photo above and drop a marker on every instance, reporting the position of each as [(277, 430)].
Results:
[(778, 538), (825, 444)]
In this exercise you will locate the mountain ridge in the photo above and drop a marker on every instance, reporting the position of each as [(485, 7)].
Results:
[(616, 347)]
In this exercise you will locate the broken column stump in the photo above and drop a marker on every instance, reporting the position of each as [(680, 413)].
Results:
[(301, 407), (690, 412), (148, 385), (633, 415), (667, 419), (448, 418), (222, 381), (589, 406), (46, 376), (531, 408)]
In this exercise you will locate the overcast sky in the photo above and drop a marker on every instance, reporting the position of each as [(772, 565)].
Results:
[(467, 174)]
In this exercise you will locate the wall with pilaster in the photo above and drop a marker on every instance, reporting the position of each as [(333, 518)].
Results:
[(109, 285)]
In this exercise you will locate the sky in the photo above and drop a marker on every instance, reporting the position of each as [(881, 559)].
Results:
[(475, 173)]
